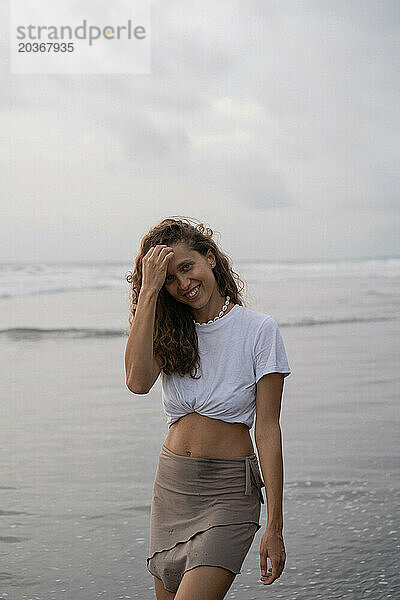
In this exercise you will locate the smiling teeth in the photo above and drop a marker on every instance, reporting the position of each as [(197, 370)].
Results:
[(193, 292)]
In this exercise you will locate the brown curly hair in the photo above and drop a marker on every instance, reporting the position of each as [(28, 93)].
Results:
[(175, 338)]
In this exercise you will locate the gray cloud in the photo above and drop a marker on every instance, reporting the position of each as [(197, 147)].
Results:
[(257, 108)]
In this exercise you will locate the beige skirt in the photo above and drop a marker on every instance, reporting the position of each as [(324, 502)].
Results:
[(204, 511)]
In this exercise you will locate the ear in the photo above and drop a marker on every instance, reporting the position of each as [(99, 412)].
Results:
[(211, 258)]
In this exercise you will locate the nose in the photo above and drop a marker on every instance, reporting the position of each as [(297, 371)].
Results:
[(183, 284)]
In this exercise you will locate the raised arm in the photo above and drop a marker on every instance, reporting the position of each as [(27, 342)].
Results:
[(141, 366)]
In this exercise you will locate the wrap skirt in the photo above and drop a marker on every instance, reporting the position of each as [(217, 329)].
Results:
[(204, 511)]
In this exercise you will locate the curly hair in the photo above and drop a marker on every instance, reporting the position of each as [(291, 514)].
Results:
[(175, 339)]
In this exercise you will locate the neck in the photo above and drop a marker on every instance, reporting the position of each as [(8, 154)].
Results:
[(208, 313)]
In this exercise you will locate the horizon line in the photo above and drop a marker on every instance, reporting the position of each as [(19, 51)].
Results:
[(241, 260)]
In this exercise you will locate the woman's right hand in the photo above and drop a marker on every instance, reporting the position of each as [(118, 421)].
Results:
[(154, 267)]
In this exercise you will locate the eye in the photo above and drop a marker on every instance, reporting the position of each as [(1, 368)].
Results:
[(168, 277)]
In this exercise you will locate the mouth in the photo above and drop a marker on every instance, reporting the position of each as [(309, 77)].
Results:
[(194, 292)]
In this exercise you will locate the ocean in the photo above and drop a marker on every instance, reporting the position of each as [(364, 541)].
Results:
[(79, 450)]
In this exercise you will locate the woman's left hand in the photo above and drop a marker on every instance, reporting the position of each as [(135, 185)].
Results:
[(272, 546)]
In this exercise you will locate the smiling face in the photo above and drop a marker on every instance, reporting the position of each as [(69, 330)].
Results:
[(188, 269)]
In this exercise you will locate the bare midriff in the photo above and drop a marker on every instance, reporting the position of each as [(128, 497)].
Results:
[(198, 436)]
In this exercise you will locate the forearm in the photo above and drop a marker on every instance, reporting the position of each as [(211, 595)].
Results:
[(139, 347), (269, 447)]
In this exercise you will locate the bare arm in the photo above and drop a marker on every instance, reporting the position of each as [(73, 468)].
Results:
[(268, 438), (141, 366)]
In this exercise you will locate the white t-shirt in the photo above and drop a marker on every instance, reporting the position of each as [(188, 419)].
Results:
[(235, 352)]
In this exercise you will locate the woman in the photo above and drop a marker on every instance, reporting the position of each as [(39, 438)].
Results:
[(221, 364)]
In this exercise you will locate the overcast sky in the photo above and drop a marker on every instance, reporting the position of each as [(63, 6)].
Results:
[(276, 122)]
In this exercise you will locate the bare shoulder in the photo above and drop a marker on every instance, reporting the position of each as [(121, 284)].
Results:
[(156, 369), (157, 361)]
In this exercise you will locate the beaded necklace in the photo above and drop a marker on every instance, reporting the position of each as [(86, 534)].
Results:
[(221, 314)]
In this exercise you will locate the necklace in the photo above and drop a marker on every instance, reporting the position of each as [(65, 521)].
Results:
[(221, 314)]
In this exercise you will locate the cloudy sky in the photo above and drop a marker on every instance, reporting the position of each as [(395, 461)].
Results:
[(275, 122)]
